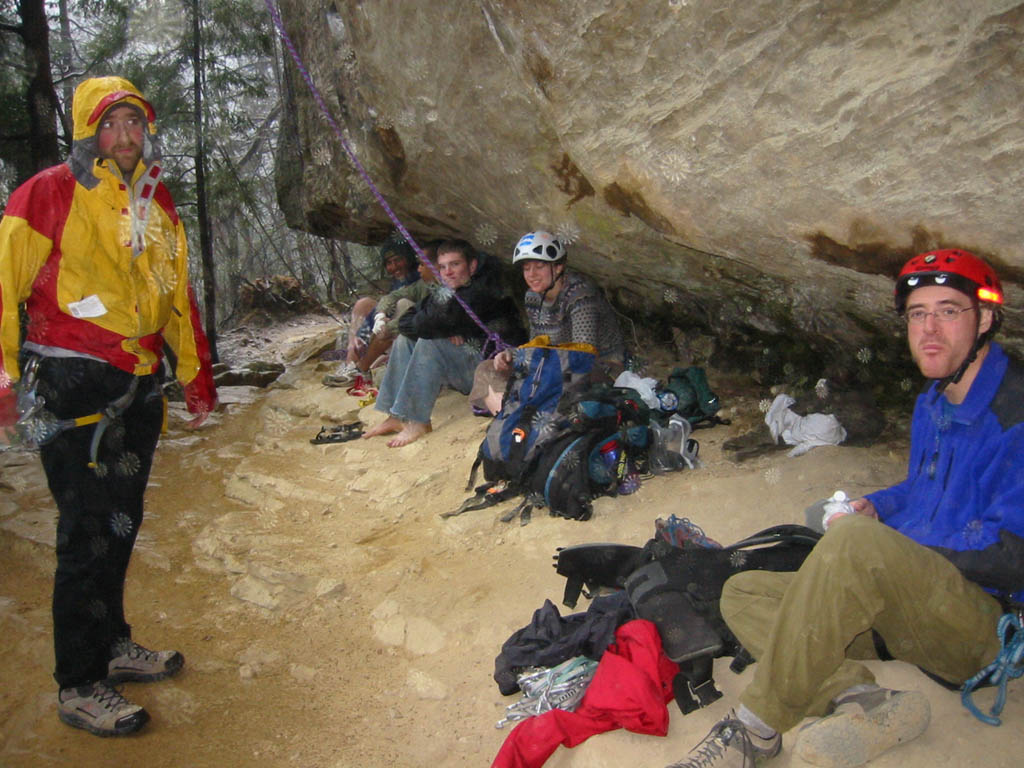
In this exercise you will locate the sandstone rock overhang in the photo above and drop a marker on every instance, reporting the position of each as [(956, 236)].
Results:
[(758, 170)]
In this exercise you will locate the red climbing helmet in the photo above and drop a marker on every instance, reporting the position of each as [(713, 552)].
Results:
[(953, 268)]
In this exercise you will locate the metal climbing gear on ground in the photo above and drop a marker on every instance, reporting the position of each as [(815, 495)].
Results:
[(544, 689)]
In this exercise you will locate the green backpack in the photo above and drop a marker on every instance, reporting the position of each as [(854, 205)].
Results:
[(695, 401)]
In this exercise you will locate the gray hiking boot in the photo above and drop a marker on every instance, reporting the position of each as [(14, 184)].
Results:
[(134, 664), (99, 708), (863, 725), (730, 745)]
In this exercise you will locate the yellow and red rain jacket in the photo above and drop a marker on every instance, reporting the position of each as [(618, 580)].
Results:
[(100, 261)]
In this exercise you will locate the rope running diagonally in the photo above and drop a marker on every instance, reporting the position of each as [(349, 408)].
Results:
[(492, 338)]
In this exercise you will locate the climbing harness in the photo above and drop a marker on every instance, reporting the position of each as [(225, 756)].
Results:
[(1008, 665), (37, 426), (492, 337), (545, 689)]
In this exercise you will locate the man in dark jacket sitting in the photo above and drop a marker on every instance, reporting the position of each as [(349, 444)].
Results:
[(440, 344)]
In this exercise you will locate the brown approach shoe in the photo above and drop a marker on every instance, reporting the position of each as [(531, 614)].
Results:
[(863, 726), (101, 709), (135, 664), (730, 745)]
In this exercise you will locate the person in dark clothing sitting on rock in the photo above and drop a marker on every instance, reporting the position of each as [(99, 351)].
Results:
[(440, 344), (399, 261)]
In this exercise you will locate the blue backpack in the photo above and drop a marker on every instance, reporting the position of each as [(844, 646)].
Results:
[(546, 443), (543, 377)]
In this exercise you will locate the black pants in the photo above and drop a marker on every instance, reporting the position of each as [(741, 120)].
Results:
[(100, 508)]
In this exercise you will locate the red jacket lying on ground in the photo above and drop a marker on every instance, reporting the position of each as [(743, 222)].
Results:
[(632, 684)]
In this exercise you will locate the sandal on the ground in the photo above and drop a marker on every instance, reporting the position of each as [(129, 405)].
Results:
[(342, 433)]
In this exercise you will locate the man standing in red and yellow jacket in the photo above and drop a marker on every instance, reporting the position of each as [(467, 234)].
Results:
[(95, 251)]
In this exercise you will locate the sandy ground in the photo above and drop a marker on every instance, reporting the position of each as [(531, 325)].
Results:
[(329, 617)]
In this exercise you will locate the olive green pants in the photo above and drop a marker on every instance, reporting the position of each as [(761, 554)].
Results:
[(805, 627)]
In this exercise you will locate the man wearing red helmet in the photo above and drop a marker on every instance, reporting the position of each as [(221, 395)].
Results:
[(922, 572)]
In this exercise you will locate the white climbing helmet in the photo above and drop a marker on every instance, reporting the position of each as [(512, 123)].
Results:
[(538, 246)]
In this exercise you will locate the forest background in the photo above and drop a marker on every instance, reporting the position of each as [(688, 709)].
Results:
[(211, 68)]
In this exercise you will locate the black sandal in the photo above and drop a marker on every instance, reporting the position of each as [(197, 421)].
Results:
[(342, 433)]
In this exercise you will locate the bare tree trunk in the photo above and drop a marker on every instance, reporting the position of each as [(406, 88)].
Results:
[(333, 269), (202, 211), (64, 57), (40, 99), (346, 260)]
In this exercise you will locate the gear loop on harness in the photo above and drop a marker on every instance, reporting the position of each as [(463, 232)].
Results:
[(275, 16), (1007, 665), (111, 411)]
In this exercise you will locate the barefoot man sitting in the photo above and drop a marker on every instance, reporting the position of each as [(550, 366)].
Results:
[(440, 344)]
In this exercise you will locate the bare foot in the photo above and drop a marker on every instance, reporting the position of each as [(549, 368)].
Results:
[(412, 432), (389, 426)]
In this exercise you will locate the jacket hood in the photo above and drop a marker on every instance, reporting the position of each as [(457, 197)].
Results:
[(93, 98), (488, 271)]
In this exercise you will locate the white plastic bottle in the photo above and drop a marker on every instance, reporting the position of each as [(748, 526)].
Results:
[(837, 506)]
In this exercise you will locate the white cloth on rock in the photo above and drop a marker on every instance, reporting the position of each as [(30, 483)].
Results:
[(804, 432)]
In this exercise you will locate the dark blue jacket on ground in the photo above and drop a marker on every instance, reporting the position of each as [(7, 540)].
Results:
[(964, 492)]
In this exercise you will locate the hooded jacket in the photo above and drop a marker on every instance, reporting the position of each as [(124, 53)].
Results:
[(100, 260), (440, 315), (964, 491)]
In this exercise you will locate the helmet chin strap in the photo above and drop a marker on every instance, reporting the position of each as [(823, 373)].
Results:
[(959, 372), (972, 355), (553, 281)]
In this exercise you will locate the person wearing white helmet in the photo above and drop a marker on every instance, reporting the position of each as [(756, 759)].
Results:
[(562, 304), (565, 305)]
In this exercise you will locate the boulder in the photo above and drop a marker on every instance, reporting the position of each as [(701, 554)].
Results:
[(748, 169)]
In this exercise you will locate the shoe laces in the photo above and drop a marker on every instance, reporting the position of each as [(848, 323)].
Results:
[(133, 650), (715, 745), (108, 696)]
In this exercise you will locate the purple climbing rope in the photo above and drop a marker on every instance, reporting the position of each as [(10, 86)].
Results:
[(492, 338)]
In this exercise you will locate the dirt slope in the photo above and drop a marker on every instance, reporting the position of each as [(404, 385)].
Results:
[(330, 618)]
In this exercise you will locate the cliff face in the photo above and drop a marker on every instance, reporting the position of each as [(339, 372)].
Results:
[(757, 168)]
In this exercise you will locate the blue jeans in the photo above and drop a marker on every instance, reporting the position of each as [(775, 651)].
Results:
[(416, 372)]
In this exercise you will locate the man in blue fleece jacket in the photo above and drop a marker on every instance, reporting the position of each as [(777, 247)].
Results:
[(921, 572)]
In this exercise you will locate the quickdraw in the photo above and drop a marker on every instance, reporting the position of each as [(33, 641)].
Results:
[(560, 687)]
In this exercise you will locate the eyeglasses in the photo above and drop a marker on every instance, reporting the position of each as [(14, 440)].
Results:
[(944, 315)]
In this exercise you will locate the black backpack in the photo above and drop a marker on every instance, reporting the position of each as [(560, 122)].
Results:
[(679, 588), (566, 468)]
